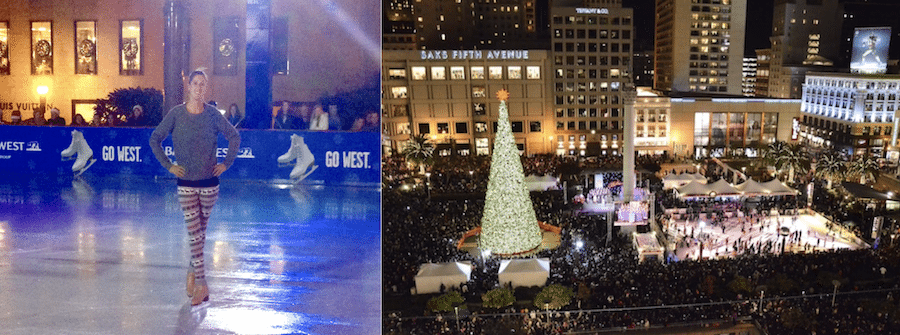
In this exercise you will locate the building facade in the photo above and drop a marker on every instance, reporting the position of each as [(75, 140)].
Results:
[(748, 77), (805, 37), (591, 59), (718, 127), (851, 113), (449, 97), (90, 48), (699, 45)]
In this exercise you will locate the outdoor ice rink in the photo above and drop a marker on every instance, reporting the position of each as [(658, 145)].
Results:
[(809, 231), (109, 256)]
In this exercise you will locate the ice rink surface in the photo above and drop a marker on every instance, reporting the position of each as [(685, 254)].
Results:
[(109, 256)]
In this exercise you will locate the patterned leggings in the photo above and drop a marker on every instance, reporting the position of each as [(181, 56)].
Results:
[(197, 204)]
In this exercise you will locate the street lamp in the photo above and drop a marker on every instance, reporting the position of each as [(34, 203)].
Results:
[(42, 91), (428, 184), (836, 283)]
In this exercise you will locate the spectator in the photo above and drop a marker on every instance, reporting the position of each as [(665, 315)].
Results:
[(78, 121), (55, 120), (319, 120), (334, 120), (303, 117), (234, 115), (36, 120), (15, 118), (372, 122), (285, 118), (137, 118)]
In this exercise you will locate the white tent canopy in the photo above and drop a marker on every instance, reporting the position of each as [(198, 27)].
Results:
[(678, 180), (723, 188), (540, 183), (693, 189), (432, 275), (776, 187), (752, 188), (524, 272)]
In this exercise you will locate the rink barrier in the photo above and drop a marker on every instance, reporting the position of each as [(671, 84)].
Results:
[(350, 158)]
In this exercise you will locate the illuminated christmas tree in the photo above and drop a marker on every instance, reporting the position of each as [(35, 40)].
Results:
[(509, 225)]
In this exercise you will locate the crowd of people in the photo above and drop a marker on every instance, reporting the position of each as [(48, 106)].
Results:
[(614, 290), (313, 116), (290, 116)]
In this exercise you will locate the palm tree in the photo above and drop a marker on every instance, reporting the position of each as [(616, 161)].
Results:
[(419, 151), (793, 158), (865, 167), (831, 166)]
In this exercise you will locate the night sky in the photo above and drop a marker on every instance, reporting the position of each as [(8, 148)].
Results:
[(759, 21)]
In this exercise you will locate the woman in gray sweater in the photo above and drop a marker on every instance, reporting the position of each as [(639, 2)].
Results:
[(195, 126)]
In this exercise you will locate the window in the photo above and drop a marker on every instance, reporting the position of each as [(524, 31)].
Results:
[(443, 128), (41, 47), (418, 73), (457, 73), (514, 72), (403, 128), (4, 48), (480, 127), (478, 72), (131, 45), (517, 127), (438, 73), (85, 47), (397, 73), (478, 109), (495, 72), (478, 92), (398, 92), (535, 126), (462, 128), (424, 128)]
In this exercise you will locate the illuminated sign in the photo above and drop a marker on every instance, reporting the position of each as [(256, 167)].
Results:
[(870, 50), (474, 54), (591, 10)]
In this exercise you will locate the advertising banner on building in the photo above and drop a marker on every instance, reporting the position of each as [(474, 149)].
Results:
[(870, 50), (269, 155)]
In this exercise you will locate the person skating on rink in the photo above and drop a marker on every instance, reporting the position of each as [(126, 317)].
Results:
[(194, 127)]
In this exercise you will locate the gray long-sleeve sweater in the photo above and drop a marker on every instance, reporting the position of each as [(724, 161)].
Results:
[(194, 138)]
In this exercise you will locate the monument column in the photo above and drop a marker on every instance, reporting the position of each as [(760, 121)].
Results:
[(628, 96), (176, 53)]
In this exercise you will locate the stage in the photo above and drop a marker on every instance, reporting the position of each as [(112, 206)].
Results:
[(108, 255)]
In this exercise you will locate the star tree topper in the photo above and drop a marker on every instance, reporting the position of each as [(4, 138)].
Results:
[(503, 95)]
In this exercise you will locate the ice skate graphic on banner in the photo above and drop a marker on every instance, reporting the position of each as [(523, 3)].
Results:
[(85, 156), (298, 151)]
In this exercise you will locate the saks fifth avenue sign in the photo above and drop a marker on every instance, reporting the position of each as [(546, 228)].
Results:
[(474, 54)]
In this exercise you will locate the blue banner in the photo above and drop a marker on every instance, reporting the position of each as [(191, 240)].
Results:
[(270, 155)]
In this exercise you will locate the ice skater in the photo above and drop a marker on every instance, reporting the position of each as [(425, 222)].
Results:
[(195, 127)]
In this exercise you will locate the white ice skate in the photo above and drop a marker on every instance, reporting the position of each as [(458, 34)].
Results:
[(303, 166), (293, 152), (72, 149), (85, 156)]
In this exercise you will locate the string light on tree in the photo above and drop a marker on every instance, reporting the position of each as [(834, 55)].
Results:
[(509, 225)]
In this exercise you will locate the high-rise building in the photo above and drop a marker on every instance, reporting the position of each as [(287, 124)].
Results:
[(481, 24), (699, 45), (591, 53), (399, 31), (643, 68), (761, 87), (804, 38), (748, 79)]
